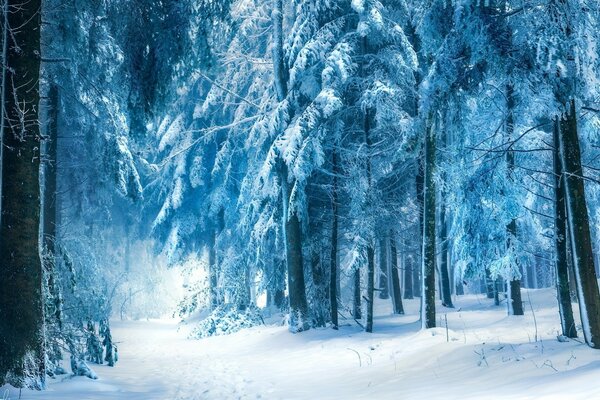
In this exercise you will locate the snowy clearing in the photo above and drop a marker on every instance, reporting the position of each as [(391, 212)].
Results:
[(486, 354)]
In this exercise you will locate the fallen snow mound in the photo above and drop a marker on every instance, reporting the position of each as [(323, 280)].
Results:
[(227, 319)]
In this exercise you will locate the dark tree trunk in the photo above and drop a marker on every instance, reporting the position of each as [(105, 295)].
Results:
[(356, 304), (320, 306), (384, 292), (395, 275), (498, 288), (490, 285), (212, 272), (370, 245), (560, 239), (334, 279), (420, 186), (444, 271), (429, 246), (21, 305), (579, 229), (409, 265), (296, 285), (516, 305), (460, 289), (370, 287)]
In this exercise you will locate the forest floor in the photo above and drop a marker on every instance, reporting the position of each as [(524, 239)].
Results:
[(483, 354)]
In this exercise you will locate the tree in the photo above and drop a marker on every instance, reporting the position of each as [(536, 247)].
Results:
[(22, 352), (395, 278), (428, 265), (560, 237), (579, 228)]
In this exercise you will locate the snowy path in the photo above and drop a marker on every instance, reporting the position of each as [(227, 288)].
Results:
[(485, 355)]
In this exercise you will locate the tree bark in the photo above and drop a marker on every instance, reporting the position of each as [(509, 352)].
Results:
[(579, 228), (333, 283), (408, 276), (420, 186), (560, 240), (22, 348), (396, 291), (320, 306), (370, 287), (429, 245), (299, 319), (384, 292), (356, 304), (370, 245), (212, 272), (516, 304), (444, 271)]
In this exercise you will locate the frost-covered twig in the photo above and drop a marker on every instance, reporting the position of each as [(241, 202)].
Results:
[(358, 354)]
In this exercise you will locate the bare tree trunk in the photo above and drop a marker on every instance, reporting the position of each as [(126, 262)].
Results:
[(320, 306), (429, 245), (579, 229), (516, 305), (22, 349), (212, 272), (444, 272), (299, 319), (356, 304), (370, 287), (384, 292), (420, 186), (334, 279), (560, 238), (409, 266), (396, 291), (370, 245)]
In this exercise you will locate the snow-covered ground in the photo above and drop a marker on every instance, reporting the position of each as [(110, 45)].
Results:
[(483, 354)]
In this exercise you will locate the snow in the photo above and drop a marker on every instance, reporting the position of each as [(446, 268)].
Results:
[(483, 354)]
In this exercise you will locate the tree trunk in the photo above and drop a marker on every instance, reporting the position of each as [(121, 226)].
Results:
[(490, 285), (579, 229), (516, 304), (396, 291), (320, 306), (408, 276), (444, 272), (560, 236), (370, 245), (429, 247), (22, 349), (498, 288), (420, 186), (370, 287), (356, 304), (299, 319), (212, 272), (334, 279), (384, 292)]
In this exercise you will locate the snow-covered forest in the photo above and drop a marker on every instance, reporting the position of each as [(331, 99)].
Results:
[(300, 199)]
